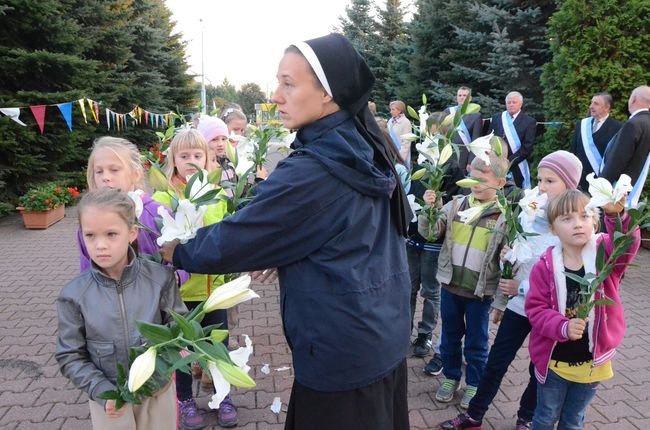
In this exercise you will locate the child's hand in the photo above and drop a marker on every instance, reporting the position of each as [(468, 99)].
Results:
[(576, 328), (111, 411), (503, 253), (509, 287), (429, 197), (261, 172)]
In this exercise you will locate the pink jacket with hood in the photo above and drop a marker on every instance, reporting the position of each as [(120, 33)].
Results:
[(546, 302)]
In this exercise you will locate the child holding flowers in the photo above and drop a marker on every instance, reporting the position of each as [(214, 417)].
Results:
[(572, 353), (92, 335), (187, 152), (115, 163), (468, 270), (556, 173)]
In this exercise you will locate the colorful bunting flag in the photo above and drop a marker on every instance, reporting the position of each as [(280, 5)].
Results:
[(13, 113), (66, 111), (83, 110), (39, 115)]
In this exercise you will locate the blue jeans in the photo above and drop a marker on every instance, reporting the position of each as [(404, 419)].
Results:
[(462, 316), (512, 333), (563, 401), (423, 266)]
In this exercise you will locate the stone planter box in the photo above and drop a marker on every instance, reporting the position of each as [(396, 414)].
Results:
[(42, 220)]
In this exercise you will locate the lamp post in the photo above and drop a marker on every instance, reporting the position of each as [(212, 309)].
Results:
[(203, 101)]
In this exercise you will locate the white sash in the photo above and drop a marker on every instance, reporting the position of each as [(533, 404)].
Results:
[(635, 194), (593, 155), (462, 130), (515, 144)]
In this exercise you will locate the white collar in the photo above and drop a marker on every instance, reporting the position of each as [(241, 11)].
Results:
[(639, 110)]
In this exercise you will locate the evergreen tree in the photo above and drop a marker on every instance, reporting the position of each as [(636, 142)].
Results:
[(226, 91), (608, 53), (248, 95), (392, 37)]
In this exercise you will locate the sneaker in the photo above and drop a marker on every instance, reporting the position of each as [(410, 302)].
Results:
[(188, 416), (523, 424), (461, 422), (470, 392), (227, 414), (422, 345), (434, 366), (447, 389)]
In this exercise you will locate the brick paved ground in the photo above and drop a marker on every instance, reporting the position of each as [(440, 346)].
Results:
[(35, 264)]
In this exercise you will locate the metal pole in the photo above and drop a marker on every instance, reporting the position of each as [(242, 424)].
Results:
[(203, 98)]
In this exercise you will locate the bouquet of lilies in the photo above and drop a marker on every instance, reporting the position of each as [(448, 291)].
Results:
[(434, 149), (603, 193), (175, 347)]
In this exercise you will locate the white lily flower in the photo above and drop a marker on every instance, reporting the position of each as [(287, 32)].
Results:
[(415, 206), (532, 203), (230, 294), (199, 188), (481, 148), (238, 138), (428, 151), (470, 214), (603, 193), (187, 220), (288, 139), (521, 251), (222, 386), (142, 369), (136, 196), (242, 167)]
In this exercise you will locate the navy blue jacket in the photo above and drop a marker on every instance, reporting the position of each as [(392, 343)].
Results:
[(323, 219)]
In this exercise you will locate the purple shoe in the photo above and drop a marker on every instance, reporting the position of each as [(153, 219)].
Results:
[(188, 416), (523, 424), (227, 415), (461, 422)]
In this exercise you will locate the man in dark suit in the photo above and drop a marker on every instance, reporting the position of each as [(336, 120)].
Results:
[(592, 135), (629, 152), (518, 129), (471, 128)]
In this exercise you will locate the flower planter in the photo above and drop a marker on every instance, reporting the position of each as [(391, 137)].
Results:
[(42, 220)]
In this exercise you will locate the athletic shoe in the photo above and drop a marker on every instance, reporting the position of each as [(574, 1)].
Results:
[(470, 392), (461, 422), (227, 414), (188, 416), (523, 424), (447, 389), (434, 366), (422, 345)]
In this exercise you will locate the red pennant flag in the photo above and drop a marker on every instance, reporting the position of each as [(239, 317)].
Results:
[(96, 110), (146, 117), (39, 115)]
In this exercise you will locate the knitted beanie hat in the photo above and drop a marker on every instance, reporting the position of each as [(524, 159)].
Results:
[(567, 166), (211, 127)]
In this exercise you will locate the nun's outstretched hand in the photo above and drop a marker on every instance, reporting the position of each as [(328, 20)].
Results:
[(167, 250), (267, 276)]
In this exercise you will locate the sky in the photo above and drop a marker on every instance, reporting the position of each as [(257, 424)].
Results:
[(244, 40)]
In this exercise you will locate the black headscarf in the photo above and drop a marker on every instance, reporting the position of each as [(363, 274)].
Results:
[(347, 78)]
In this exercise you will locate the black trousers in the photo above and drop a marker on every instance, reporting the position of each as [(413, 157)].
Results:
[(380, 406)]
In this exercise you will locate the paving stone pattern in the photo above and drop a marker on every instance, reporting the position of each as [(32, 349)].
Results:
[(34, 265)]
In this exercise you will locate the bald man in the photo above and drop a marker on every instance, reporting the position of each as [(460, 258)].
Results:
[(629, 151)]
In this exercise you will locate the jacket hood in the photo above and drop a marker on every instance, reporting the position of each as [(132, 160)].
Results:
[(335, 143)]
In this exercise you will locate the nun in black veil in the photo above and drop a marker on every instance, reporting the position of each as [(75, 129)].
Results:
[(332, 218)]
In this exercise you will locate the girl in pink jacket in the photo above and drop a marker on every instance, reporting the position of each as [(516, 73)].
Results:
[(571, 355)]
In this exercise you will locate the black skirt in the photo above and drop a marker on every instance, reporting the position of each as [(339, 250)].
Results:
[(382, 405)]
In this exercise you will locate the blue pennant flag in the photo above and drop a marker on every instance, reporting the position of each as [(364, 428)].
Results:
[(66, 111)]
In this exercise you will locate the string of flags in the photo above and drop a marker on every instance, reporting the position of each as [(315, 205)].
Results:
[(118, 121)]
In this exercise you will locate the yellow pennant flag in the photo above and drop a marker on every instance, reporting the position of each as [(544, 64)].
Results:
[(83, 110), (92, 110)]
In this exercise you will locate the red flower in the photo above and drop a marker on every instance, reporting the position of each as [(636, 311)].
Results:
[(157, 145), (57, 189), (151, 149), (48, 201)]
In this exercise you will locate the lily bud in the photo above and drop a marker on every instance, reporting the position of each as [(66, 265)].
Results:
[(157, 179), (449, 120), (230, 294), (472, 108), (142, 369), (231, 153), (235, 375), (467, 182), (445, 154), (497, 145), (418, 175)]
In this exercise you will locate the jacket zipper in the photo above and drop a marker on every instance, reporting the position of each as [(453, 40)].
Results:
[(125, 326)]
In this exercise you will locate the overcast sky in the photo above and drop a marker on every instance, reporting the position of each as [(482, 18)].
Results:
[(244, 39)]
